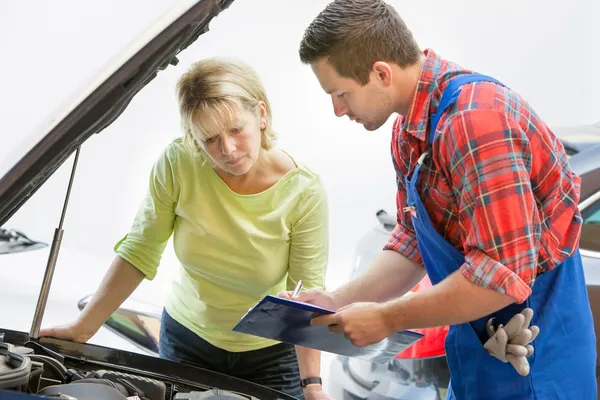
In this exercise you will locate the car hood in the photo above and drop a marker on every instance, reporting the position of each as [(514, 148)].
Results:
[(99, 103)]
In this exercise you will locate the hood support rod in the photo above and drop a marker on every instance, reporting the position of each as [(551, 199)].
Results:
[(34, 333)]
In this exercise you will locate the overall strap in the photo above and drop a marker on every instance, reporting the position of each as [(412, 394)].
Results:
[(450, 95)]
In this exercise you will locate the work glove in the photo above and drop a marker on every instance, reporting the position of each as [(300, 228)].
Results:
[(511, 343)]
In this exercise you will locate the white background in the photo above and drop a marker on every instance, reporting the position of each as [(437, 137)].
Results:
[(545, 49)]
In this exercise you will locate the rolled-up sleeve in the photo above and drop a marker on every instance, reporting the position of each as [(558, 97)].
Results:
[(152, 227), (402, 239), (489, 158)]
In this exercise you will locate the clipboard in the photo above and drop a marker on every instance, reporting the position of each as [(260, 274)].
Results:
[(288, 321)]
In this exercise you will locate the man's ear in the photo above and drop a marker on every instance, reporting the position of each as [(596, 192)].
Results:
[(382, 72)]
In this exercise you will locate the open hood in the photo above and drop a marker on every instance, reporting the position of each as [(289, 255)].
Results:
[(48, 366), (100, 103)]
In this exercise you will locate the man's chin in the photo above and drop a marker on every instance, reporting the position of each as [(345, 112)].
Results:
[(369, 126)]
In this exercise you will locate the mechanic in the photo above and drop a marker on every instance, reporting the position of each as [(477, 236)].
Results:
[(486, 203), (247, 220)]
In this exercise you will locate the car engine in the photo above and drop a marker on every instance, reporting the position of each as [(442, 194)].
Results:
[(36, 369)]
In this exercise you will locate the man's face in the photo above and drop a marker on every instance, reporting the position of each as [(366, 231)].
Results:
[(369, 105)]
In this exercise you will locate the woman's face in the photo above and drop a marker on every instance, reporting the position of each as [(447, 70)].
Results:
[(236, 149)]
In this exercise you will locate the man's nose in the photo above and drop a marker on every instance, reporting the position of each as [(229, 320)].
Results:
[(227, 145), (339, 107)]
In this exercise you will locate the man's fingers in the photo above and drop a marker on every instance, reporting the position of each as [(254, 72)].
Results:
[(329, 320), (344, 308), (514, 325), (323, 320), (336, 329)]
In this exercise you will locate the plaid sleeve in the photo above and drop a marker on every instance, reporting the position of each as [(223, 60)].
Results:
[(402, 239), (488, 157)]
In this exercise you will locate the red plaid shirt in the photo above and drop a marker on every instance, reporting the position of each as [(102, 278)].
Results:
[(497, 186)]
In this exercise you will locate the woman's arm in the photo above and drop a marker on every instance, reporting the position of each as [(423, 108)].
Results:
[(308, 261), (309, 361), (138, 255), (119, 282)]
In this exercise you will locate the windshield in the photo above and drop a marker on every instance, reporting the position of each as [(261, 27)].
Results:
[(50, 72)]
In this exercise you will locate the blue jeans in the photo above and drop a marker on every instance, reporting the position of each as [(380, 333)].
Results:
[(275, 367)]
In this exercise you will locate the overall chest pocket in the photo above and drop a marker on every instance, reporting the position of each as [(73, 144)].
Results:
[(439, 200)]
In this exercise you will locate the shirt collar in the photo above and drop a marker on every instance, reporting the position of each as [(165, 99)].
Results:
[(428, 92)]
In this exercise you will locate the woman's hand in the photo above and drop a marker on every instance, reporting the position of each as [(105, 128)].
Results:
[(119, 282), (315, 392), (317, 297), (73, 331)]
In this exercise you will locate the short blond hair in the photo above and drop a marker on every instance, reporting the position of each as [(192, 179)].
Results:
[(211, 93)]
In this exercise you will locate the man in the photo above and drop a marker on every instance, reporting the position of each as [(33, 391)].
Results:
[(486, 204)]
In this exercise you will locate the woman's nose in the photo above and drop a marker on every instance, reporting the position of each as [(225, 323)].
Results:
[(227, 145)]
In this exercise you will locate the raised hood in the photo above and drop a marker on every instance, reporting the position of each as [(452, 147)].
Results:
[(99, 104)]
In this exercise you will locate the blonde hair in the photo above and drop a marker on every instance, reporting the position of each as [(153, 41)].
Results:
[(211, 93)]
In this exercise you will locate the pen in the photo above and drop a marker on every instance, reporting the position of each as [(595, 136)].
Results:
[(297, 289)]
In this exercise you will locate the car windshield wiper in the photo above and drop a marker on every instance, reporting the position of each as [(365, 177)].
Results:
[(13, 241)]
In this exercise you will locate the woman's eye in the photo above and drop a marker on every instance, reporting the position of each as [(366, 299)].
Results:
[(236, 130), (210, 140)]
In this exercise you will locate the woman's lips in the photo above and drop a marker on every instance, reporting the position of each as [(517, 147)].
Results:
[(234, 162)]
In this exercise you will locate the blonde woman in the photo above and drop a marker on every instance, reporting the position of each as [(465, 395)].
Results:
[(247, 220)]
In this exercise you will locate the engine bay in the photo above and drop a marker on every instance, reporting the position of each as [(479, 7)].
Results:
[(58, 369)]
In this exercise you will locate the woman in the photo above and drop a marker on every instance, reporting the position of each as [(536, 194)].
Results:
[(247, 220)]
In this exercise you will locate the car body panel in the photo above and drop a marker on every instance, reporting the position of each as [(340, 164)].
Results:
[(578, 137)]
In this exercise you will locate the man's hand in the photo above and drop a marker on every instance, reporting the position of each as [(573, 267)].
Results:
[(317, 297), (361, 323)]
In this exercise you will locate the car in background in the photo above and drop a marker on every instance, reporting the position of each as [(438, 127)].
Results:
[(578, 138), (421, 371)]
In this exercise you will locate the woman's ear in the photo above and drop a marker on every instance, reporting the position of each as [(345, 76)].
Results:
[(262, 114)]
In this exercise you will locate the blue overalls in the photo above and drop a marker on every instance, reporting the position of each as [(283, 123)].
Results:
[(563, 365)]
